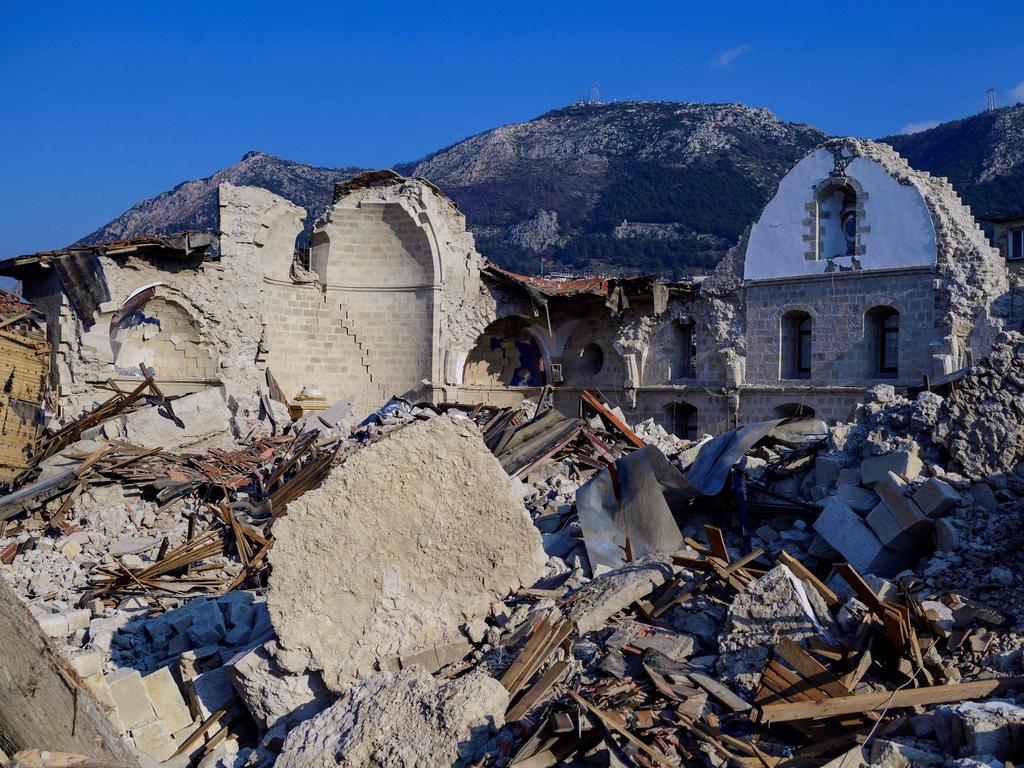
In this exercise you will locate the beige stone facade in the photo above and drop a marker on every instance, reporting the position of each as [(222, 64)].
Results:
[(858, 271)]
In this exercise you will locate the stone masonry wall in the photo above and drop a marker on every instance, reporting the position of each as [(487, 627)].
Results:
[(843, 342)]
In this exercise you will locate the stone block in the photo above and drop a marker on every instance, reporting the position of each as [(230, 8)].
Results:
[(207, 623), (130, 698), (154, 739), (889, 531), (945, 536), (54, 625), (892, 492), (859, 499), (101, 690), (936, 497), (168, 703), (850, 536), (850, 475), (78, 619), (88, 663), (827, 468), (902, 463)]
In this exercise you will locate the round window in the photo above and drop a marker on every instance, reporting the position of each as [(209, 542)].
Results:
[(591, 360)]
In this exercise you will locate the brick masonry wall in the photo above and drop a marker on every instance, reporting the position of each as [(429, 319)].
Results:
[(844, 343)]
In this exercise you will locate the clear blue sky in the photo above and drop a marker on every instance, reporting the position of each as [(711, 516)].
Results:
[(108, 103)]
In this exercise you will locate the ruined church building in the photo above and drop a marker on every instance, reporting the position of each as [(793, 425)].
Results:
[(859, 270)]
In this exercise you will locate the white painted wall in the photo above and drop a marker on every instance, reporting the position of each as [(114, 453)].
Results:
[(901, 233)]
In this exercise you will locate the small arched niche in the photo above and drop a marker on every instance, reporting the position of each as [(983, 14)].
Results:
[(163, 336), (836, 219), (787, 410)]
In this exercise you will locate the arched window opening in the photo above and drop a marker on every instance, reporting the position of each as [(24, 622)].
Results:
[(882, 326), (837, 221), (796, 345), (787, 410), (680, 418), (684, 350), (591, 360), (505, 354)]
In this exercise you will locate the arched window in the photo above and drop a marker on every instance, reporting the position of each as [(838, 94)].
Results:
[(795, 345), (684, 350), (680, 418), (837, 220), (591, 360), (882, 327)]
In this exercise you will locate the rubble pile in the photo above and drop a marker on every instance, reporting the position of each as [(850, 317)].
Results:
[(419, 590)]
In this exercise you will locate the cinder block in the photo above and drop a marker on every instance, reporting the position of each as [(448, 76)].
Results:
[(936, 497), (902, 463), (130, 698), (168, 703)]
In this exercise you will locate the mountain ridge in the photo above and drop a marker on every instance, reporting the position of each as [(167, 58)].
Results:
[(663, 187)]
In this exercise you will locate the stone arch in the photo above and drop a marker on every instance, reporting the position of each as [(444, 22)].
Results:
[(162, 334), (786, 410), (276, 237), (507, 354)]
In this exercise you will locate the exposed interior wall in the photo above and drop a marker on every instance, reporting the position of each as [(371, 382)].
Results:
[(506, 354)]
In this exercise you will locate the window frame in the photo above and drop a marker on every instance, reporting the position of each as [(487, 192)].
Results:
[(1015, 254), (884, 332), (804, 329)]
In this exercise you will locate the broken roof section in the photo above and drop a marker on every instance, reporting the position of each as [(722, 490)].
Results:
[(382, 178), (613, 290), (11, 305), (81, 275), (187, 244)]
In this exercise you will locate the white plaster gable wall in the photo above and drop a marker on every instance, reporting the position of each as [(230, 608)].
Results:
[(900, 232)]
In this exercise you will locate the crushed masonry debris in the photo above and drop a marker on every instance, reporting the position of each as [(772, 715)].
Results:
[(475, 585)]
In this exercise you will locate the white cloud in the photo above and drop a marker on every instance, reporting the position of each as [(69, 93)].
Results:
[(1016, 94), (729, 55), (924, 125)]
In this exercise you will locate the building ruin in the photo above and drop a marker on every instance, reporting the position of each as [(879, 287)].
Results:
[(859, 270)]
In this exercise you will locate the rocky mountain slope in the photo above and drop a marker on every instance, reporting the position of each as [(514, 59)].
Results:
[(193, 204), (629, 187), (982, 155)]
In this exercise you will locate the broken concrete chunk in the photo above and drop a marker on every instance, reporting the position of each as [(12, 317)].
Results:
[(54, 625), (608, 594), (207, 626), (902, 463), (776, 605), (936, 497), (272, 695), (401, 719), (908, 516), (210, 692), (168, 703), (980, 727), (402, 544), (674, 645), (88, 663), (130, 698)]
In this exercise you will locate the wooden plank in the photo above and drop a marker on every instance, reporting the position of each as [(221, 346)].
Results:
[(877, 702), (537, 691), (610, 723), (716, 540), (719, 692), (813, 672), (611, 418)]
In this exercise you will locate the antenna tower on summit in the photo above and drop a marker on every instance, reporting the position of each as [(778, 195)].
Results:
[(595, 94), (990, 99)]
